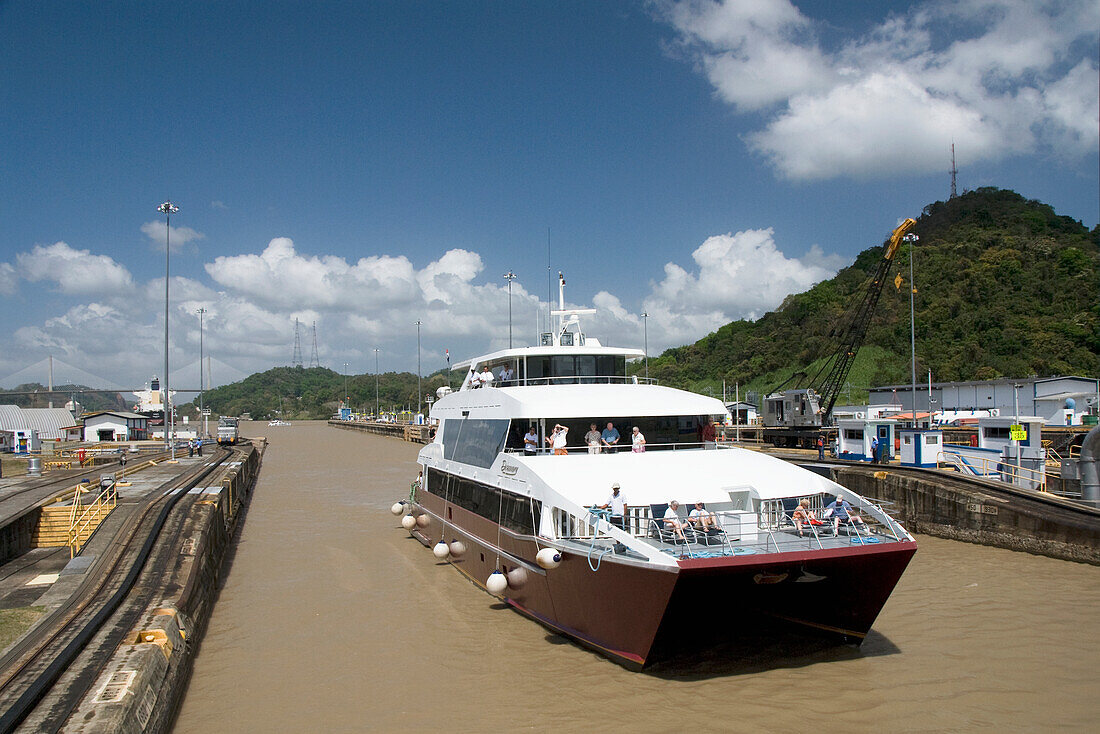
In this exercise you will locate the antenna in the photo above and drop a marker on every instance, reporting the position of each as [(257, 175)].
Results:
[(313, 362), (296, 361), (954, 172), (549, 277)]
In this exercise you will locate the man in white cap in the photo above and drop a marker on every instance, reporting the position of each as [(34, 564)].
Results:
[(618, 506)]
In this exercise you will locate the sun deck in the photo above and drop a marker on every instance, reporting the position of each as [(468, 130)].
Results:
[(740, 534)]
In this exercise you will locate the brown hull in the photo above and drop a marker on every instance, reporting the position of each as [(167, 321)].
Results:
[(637, 615)]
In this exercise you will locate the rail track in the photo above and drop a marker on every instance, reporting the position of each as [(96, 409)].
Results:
[(32, 666)]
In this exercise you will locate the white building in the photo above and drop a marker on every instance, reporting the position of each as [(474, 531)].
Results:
[(1059, 401), (48, 424), (115, 425)]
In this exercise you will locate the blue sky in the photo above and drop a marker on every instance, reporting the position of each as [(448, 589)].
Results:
[(365, 165)]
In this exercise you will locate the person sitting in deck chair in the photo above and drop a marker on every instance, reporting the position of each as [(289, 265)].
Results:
[(803, 515), (842, 511), (674, 522), (703, 520)]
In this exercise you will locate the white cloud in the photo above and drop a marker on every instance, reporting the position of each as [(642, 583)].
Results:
[(218, 204), (76, 272), (9, 280), (374, 302), (155, 231), (999, 77)]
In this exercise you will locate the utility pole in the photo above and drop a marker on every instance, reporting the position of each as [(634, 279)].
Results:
[(376, 350), (202, 387), (912, 240), (167, 209), (510, 276), (418, 388)]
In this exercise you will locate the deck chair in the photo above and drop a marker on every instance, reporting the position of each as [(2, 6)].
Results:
[(659, 530), (714, 536)]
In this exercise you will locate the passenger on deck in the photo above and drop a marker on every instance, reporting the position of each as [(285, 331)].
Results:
[(673, 521), (842, 511), (506, 375), (592, 440), (704, 520), (609, 438), (803, 515), (531, 442), (637, 441), (557, 440), (710, 435), (486, 377), (617, 504)]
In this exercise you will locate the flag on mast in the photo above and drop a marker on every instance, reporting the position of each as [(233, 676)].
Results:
[(448, 351)]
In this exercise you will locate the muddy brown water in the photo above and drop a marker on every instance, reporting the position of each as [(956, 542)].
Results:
[(331, 618)]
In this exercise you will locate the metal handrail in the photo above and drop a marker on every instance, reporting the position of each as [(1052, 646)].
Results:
[(992, 468), (571, 380), (107, 498)]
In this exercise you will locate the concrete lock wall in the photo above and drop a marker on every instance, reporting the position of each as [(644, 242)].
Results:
[(142, 686), (953, 510)]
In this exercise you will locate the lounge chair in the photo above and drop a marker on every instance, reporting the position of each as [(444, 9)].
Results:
[(658, 529)]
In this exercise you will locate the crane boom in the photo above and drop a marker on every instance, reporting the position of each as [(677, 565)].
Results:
[(840, 364)]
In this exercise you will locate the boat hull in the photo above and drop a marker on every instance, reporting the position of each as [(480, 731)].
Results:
[(637, 614)]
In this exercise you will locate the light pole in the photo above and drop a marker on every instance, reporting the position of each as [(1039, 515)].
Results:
[(911, 239), (645, 333), (167, 209), (376, 383), (346, 401), (418, 395), (202, 415), (510, 276)]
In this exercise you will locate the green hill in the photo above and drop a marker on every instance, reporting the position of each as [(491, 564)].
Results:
[(296, 393), (1005, 287)]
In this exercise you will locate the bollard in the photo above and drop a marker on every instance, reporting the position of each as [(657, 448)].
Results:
[(34, 466)]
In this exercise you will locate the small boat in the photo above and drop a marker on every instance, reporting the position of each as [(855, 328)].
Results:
[(278, 422), (533, 524)]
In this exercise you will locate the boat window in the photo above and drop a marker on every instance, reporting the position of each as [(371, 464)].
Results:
[(538, 367), (514, 512), (562, 366), (586, 368), (474, 441), (610, 366)]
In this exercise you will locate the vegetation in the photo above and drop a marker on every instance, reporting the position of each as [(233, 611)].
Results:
[(316, 392), (1005, 287)]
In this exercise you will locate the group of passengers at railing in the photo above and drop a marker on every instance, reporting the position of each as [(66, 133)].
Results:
[(486, 378), (840, 510), (607, 441)]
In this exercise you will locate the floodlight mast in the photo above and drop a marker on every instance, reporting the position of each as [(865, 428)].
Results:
[(167, 209)]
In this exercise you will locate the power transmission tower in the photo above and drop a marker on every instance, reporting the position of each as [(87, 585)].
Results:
[(313, 361), (297, 360), (954, 172)]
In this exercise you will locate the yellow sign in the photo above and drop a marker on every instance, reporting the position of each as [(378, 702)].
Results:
[(1017, 433), (898, 281)]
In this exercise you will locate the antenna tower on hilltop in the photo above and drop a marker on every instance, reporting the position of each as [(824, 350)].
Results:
[(313, 361), (297, 360), (954, 172)]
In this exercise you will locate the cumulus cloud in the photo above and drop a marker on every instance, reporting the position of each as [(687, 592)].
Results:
[(9, 280), (76, 272), (252, 301), (997, 77), (155, 231)]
